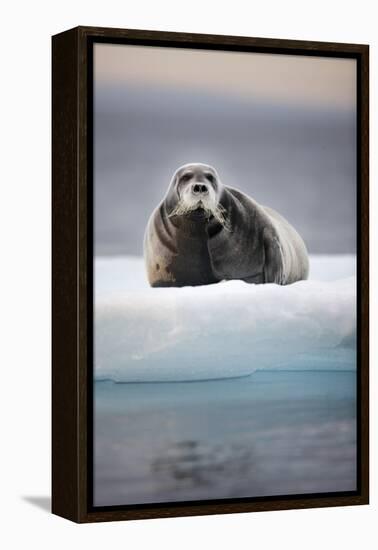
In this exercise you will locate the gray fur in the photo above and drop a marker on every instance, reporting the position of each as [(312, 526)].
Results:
[(242, 240)]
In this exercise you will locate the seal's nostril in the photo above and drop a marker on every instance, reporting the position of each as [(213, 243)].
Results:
[(198, 188)]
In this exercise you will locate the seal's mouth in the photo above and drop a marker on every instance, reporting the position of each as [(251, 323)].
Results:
[(200, 207), (199, 211)]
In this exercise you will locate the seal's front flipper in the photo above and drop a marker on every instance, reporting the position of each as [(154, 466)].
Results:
[(254, 279), (274, 262)]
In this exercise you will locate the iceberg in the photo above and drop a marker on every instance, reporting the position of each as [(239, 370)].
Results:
[(225, 330)]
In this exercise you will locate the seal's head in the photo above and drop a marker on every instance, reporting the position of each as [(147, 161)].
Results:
[(195, 192)]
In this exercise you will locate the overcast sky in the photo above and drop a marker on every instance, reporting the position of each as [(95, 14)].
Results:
[(304, 80)]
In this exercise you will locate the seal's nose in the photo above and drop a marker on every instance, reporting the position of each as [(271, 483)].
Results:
[(200, 189)]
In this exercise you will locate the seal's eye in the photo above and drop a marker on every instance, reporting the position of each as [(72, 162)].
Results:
[(187, 176), (210, 177)]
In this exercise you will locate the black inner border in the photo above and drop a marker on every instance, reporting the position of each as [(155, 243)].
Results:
[(91, 40)]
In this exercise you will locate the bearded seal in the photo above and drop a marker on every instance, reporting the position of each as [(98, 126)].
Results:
[(205, 232)]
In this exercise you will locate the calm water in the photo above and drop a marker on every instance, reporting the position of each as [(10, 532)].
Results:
[(268, 434)]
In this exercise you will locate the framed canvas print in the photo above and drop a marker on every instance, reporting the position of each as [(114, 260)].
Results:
[(210, 274)]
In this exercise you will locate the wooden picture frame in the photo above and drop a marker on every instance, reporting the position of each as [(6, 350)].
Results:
[(72, 290)]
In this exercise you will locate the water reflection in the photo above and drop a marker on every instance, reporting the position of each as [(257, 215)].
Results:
[(196, 464), (270, 434)]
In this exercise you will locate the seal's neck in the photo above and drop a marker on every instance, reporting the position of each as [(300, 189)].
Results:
[(193, 225), (192, 263)]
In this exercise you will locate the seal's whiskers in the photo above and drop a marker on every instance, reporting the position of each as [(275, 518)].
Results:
[(218, 212)]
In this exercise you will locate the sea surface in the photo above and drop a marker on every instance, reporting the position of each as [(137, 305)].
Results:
[(270, 433)]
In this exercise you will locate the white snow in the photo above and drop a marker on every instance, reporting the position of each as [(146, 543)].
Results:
[(223, 330)]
